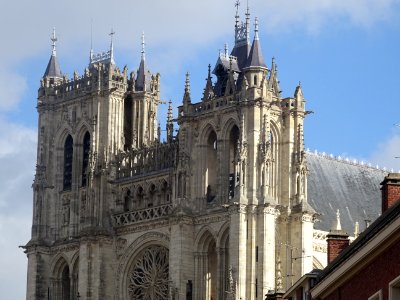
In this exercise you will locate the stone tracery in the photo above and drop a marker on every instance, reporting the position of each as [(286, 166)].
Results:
[(148, 278)]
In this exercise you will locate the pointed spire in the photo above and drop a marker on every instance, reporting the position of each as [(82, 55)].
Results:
[(91, 42), (273, 81), (256, 29), (143, 47), (187, 83), (169, 116), (186, 96), (237, 4), (111, 34), (170, 124), (208, 90), (142, 73), (256, 58), (247, 21), (53, 68), (298, 94), (241, 48)]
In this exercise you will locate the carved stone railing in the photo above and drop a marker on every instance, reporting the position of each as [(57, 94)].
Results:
[(152, 213), (141, 161)]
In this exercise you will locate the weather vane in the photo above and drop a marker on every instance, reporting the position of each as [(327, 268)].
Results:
[(111, 34)]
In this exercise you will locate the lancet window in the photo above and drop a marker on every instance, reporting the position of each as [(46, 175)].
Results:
[(211, 167), (68, 156), (233, 153), (85, 160)]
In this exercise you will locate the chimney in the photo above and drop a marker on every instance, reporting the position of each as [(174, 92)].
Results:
[(337, 239), (390, 190)]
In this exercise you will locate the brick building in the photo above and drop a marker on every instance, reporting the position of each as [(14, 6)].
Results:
[(369, 268)]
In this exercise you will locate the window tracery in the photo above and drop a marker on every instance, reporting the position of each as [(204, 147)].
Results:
[(148, 279)]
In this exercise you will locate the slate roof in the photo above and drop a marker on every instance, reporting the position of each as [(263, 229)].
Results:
[(225, 62), (352, 188), (242, 53), (143, 77), (53, 68), (256, 58)]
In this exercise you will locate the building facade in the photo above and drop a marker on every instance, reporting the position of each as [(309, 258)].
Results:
[(368, 268), (217, 211)]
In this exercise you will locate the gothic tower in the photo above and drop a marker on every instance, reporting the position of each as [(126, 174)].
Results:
[(218, 211)]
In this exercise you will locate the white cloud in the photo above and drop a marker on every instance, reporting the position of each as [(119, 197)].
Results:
[(17, 160), (386, 153), (12, 88), (166, 23), (314, 15)]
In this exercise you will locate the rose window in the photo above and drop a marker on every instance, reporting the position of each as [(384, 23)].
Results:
[(148, 279)]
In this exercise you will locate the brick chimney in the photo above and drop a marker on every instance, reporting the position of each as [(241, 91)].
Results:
[(390, 190), (337, 239)]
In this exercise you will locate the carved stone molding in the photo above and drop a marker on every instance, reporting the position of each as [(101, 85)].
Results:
[(211, 219)]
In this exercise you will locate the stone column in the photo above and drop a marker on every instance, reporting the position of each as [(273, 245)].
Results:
[(267, 218), (238, 247)]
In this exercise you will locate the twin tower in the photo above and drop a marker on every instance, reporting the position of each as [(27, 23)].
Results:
[(217, 211)]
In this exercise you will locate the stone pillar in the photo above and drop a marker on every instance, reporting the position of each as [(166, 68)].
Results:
[(197, 276), (238, 247), (181, 261), (267, 254)]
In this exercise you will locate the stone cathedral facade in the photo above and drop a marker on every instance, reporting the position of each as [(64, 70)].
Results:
[(216, 211)]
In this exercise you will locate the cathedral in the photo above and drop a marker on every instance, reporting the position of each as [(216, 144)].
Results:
[(229, 205)]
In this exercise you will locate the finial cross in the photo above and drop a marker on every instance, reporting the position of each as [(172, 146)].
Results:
[(237, 4), (111, 34), (143, 46), (54, 40)]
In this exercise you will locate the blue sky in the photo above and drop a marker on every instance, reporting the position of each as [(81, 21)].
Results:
[(345, 53)]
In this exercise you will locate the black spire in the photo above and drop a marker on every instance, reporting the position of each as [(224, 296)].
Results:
[(53, 68), (242, 45), (143, 74), (256, 58)]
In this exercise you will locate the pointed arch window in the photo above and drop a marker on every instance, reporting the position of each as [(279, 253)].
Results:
[(68, 155), (85, 160), (211, 167), (233, 171)]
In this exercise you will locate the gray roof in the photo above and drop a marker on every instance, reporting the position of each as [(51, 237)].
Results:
[(256, 58), (143, 77), (226, 64), (352, 188), (242, 53), (53, 68)]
